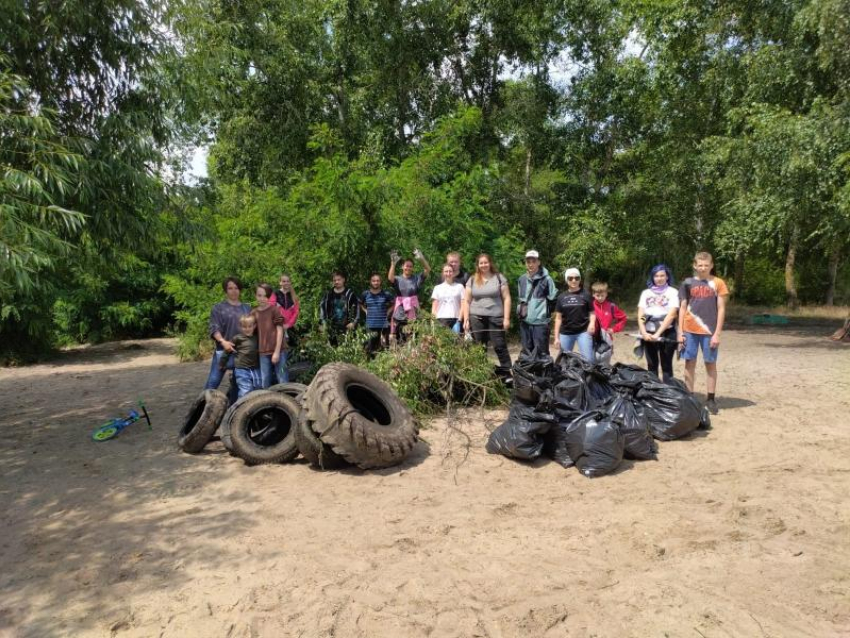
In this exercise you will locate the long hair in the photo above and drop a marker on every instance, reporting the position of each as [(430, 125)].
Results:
[(479, 280)]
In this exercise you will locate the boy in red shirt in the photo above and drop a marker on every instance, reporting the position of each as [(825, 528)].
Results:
[(609, 319), (701, 316)]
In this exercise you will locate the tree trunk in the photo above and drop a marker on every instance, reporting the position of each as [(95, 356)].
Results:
[(739, 275), (790, 258), (834, 259), (527, 170)]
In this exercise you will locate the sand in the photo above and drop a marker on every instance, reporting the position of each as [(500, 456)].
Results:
[(743, 531)]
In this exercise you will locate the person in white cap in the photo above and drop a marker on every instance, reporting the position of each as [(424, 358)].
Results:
[(536, 291), (575, 321)]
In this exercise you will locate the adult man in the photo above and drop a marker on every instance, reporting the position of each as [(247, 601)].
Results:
[(339, 310), (461, 276), (536, 292), (224, 326)]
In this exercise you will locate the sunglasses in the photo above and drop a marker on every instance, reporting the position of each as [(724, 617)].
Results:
[(573, 278)]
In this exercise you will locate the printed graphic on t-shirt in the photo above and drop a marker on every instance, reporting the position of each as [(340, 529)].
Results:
[(339, 309), (702, 294)]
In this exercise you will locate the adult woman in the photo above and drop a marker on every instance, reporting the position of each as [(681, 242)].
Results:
[(447, 299), (269, 332), (657, 310), (406, 288), (487, 310), (287, 304), (575, 320), (224, 326)]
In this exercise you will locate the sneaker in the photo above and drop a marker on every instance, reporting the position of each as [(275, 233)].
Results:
[(711, 404)]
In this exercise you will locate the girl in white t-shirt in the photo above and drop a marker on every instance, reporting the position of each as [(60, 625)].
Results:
[(657, 311), (447, 298)]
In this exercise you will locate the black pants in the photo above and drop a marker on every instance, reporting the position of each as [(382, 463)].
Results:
[(661, 351), (535, 338), (491, 330), (448, 323), (379, 338)]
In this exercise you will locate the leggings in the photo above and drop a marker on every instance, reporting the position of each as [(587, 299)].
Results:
[(491, 330), (661, 351)]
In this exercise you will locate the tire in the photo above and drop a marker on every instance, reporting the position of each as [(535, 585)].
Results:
[(262, 428), (312, 448), (294, 390), (202, 421), (228, 417), (360, 416)]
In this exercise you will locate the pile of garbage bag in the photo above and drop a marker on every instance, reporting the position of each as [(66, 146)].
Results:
[(592, 416)]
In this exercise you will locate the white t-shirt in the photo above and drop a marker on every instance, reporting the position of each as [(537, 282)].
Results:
[(448, 300), (657, 305)]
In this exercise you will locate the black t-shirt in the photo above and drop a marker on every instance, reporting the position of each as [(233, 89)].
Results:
[(575, 309)]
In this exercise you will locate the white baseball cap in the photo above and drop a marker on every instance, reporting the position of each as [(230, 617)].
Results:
[(572, 272), (532, 254)]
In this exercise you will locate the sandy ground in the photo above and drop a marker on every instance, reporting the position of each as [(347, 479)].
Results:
[(744, 531)]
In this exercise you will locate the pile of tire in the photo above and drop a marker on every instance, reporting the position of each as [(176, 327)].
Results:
[(346, 416)]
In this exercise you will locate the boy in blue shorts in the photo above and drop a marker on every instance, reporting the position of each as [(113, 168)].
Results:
[(701, 316)]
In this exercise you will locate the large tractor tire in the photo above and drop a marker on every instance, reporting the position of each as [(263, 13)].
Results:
[(360, 416), (261, 428), (202, 421), (311, 447)]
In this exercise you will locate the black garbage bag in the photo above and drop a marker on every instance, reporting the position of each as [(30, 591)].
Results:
[(567, 361), (572, 388), (521, 435), (532, 375), (634, 426), (672, 411), (598, 388), (631, 377), (594, 443), (555, 445)]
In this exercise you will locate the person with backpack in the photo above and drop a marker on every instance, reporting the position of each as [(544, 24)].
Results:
[(487, 310), (537, 293)]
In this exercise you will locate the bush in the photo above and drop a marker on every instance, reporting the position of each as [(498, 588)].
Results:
[(434, 367)]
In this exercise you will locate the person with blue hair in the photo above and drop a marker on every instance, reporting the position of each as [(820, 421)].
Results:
[(658, 308)]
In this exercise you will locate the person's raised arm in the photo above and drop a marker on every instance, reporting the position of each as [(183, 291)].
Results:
[(426, 267), (391, 272)]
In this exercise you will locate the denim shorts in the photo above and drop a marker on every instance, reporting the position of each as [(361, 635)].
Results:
[(694, 342)]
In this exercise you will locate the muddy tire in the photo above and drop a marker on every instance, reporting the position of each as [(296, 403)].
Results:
[(202, 421), (360, 416), (262, 428), (224, 430), (311, 447), (294, 390)]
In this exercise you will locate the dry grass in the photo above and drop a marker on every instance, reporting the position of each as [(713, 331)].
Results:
[(738, 312)]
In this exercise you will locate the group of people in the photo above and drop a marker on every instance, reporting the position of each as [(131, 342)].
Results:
[(478, 305)]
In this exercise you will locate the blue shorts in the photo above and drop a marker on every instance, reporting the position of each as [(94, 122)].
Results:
[(694, 342)]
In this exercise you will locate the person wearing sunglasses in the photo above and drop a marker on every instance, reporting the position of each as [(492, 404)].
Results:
[(575, 321)]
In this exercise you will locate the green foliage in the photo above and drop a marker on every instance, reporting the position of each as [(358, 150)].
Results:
[(434, 367)]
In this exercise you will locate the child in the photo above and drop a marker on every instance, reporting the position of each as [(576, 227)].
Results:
[(378, 303), (609, 319), (246, 347), (269, 333), (702, 312)]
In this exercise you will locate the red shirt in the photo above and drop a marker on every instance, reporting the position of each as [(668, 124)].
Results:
[(607, 314)]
